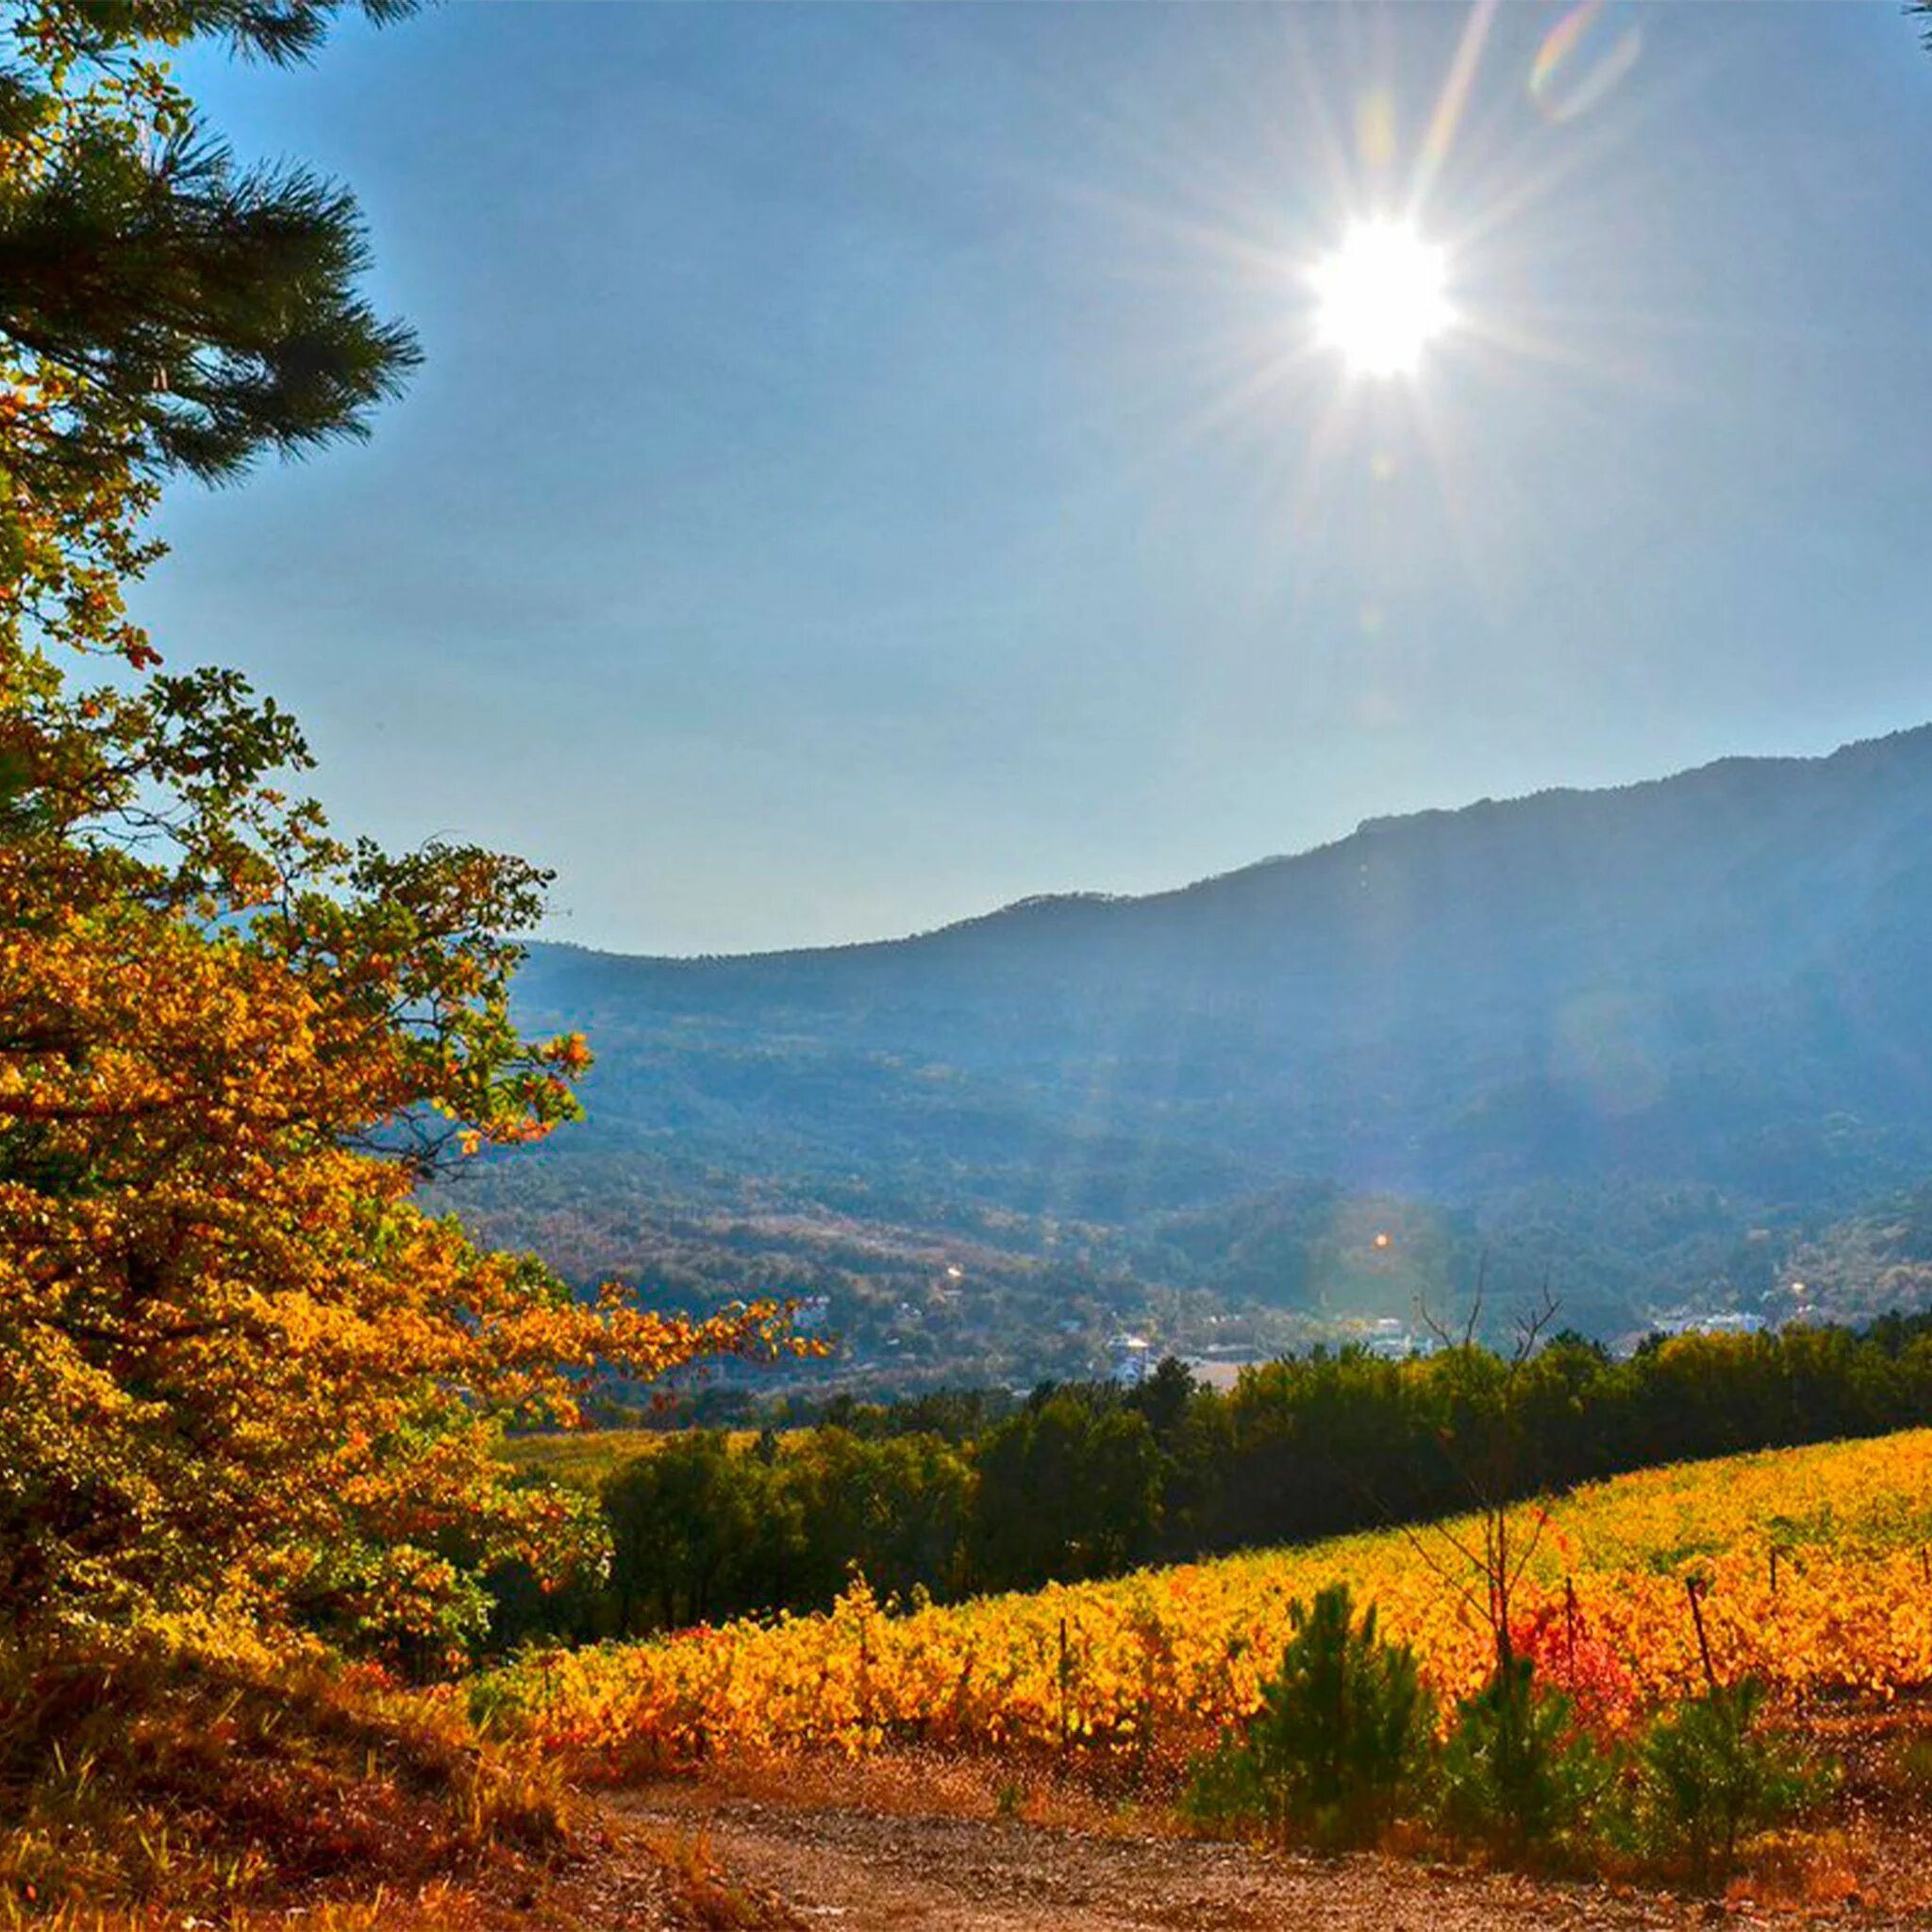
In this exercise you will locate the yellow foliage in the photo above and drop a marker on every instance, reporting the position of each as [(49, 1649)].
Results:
[(241, 1374), (1169, 1655)]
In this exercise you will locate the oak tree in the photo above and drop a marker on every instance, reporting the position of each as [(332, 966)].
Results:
[(242, 1372)]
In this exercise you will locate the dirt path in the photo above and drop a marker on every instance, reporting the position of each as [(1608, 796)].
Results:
[(845, 1867)]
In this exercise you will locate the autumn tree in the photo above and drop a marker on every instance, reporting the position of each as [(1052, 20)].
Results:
[(242, 1374)]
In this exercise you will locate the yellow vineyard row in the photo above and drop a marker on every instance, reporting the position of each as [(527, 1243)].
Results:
[(1812, 1569)]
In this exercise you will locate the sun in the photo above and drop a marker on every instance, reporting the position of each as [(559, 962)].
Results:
[(1380, 297)]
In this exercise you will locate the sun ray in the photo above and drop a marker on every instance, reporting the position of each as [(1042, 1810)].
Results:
[(1450, 102)]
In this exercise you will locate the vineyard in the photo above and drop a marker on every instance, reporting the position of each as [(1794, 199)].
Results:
[(1810, 1569)]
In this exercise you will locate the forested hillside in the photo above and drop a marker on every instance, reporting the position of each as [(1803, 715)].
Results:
[(1647, 1042)]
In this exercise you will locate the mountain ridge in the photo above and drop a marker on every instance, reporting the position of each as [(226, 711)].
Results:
[(1561, 1016), (1376, 825)]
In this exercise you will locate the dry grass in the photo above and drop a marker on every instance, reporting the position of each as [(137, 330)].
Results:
[(707, 1899), (923, 1782), (149, 1785), (149, 1773), (442, 1906)]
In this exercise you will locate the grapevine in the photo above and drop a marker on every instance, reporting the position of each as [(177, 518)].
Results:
[(1810, 1565)]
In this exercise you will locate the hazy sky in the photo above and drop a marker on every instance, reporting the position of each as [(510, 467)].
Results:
[(872, 463)]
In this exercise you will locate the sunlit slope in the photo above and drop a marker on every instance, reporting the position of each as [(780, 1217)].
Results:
[(1164, 1656)]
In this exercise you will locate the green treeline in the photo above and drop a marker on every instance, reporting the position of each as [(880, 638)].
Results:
[(965, 1494)]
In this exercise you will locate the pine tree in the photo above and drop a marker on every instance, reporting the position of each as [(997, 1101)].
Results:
[(174, 310)]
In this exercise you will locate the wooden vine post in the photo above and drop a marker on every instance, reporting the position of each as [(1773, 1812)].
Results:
[(1065, 1676), (1693, 1589)]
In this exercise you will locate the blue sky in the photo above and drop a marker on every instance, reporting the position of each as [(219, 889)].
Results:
[(871, 462)]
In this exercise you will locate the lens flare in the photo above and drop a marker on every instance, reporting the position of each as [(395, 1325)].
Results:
[(1582, 57)]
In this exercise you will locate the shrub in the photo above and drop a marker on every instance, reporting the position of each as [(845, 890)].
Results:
[(1342, 1733), (1711, 1775), (1517, 1773)]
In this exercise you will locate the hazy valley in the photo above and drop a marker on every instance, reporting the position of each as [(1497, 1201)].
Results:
[(1663, 1045)]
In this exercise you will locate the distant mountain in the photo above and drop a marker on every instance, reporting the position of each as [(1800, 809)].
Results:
[(1715, 988)]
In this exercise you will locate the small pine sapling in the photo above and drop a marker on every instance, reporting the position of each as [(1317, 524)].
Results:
[(1518, 1774), (1342, 1735), (1712, 1774)]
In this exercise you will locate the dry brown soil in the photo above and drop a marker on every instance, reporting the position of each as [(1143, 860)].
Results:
[(849, 1865)]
